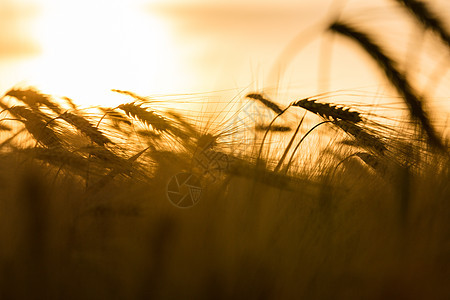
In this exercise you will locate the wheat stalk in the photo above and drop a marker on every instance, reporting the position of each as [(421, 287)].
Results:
[(328, 111), (71, 103), (115, 116), (364, 138), (266, 102), (299, 143), (147, 117), (267, 132), (398, 80), (288, 147), (85, 127), (372, 161), (33, 99), (36, 126), (131, 94), (148, 134), (24, 112)]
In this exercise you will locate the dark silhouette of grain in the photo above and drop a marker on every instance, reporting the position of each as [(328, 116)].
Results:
[(146, 116), (34, 99), (429, 20), (266, 102), (36, 126), (398, 80), (328, 111), (86, 128)]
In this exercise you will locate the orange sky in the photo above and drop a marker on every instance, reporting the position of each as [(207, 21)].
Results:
[(84, 48)]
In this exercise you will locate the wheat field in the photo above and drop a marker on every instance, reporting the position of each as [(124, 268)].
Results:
[(305, 199)]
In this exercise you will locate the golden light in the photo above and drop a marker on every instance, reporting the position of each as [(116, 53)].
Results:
[(90, 47)]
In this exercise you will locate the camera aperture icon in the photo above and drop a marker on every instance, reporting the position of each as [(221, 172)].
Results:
[(184, 190)]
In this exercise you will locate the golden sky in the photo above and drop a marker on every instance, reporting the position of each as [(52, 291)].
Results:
[(84, 48)]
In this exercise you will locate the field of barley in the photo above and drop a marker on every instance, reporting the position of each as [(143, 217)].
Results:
[(262, 197)]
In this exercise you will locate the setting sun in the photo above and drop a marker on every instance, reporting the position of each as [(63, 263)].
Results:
[(90, 47)]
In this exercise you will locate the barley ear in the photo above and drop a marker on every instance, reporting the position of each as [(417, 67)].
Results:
[(266, 102), (85, 127)]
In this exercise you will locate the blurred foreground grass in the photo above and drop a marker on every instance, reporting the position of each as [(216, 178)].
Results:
[(85, 217)]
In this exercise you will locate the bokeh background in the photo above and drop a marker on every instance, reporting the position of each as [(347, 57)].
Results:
[(82, 49)]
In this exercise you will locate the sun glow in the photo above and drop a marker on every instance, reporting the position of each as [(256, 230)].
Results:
[(90, 47)]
